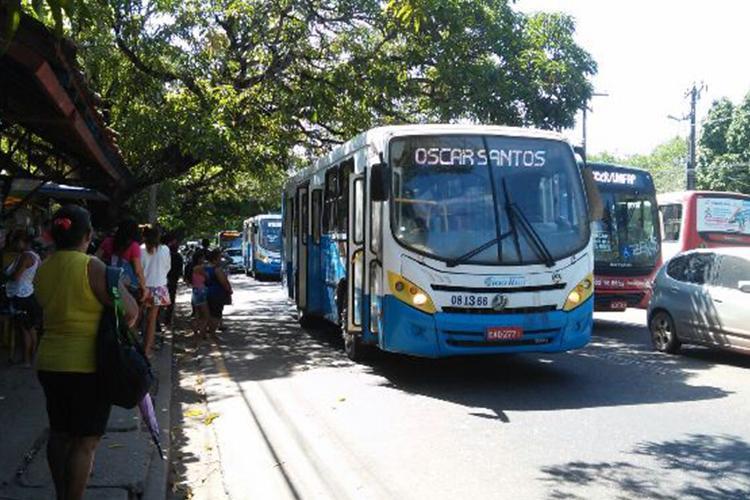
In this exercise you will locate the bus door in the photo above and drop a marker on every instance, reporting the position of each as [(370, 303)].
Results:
[(302, 230), (356, 253)]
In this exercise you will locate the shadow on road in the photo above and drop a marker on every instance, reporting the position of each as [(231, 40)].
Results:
[(702, 466), (617, 368)]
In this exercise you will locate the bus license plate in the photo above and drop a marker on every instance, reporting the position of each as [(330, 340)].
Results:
[(500, 333), (470, 300), (618, 305)]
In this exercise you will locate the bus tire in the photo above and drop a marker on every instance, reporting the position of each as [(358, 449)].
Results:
[(663, 332), (354, 348)]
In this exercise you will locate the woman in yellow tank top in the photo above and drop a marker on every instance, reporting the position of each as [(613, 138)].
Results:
[(71, 289)]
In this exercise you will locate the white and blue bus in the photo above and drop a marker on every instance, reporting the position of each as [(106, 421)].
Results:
[(261, 246), (442, 240)]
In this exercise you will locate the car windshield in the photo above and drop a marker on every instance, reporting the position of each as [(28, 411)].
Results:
[(723, 215), (464, 198), (270, 235), (626, 236)]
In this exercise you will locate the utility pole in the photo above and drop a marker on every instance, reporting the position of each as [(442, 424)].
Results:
[(583, 120), (695, 94)]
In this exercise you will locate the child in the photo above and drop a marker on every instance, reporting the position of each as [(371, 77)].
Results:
[(200, 294)]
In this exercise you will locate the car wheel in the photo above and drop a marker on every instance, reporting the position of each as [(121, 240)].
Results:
[(663, 333)]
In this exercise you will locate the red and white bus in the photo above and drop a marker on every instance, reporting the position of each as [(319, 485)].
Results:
[(700, 219), (627, 250)]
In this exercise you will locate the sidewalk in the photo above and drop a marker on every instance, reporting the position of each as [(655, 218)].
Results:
[(127, 465)]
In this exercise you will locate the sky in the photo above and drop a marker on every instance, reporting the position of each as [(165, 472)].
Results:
[(649, 53)]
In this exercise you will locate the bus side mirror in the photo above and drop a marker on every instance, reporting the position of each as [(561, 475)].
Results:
[(594, 198), (380, 185), (580, 151)]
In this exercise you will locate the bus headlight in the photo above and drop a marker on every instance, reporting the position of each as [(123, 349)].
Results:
[(406, 291), (580, 293)]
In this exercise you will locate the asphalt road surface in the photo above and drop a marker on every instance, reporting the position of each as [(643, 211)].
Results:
[(292, 417)]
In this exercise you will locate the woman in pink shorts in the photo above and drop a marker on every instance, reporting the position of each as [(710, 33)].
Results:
[(156, 265)]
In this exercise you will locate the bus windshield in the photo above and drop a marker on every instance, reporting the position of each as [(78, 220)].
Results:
[(723, 215), (487, 199), (270, 235), (627, 235)]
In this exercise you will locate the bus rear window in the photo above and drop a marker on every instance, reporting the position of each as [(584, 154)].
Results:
[(672, 220), (723, 215)]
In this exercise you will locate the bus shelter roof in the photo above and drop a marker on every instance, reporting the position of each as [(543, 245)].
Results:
[(43, 91)]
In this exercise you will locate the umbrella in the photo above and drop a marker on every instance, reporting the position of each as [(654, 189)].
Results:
[(146, 406)]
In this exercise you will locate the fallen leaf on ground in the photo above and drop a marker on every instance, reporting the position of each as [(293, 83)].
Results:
[(342, 399), (194, 413), (210, 418), (115, 445)]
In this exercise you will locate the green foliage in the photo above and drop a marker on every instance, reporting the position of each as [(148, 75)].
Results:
[(725, 147), (218, 99), (713, 138), (666, 163)]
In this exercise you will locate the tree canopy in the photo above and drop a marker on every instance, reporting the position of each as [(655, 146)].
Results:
[(219, 99), (666, 163), (725, 147)]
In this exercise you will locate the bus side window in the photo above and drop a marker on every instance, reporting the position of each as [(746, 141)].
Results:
[(331, 197), (342, 210), (316, 209), (672, 220), (305, 218)]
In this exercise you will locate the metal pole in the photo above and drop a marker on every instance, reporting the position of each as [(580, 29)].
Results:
[(690, 177), (152, 203), (584, 130)]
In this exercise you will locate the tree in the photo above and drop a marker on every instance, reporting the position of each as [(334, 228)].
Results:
[(725, 147), (666, 163), (713, 138), (217, 93)]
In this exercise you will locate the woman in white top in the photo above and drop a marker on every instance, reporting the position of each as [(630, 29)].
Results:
[(20, 290), (156, 264)]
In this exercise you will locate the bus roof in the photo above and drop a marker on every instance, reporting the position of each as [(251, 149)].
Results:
[(379, 136), (623, 168), (680, 196), (261, 217)]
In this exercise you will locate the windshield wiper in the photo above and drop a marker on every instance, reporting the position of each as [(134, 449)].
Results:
[(481, 248), (514, 212)]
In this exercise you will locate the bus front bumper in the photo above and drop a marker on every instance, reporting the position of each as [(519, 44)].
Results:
[(410, 331), (270, 268)]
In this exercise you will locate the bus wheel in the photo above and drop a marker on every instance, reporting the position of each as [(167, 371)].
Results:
[(663, 333), (354, 348)]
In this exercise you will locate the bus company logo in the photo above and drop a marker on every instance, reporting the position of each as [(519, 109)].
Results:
[(501, 281), (499, 302), (614, 178)]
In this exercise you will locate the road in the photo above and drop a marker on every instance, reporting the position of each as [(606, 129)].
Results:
[(274, 411)]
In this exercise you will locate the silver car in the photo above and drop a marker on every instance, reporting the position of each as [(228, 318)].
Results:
[(702, 297)]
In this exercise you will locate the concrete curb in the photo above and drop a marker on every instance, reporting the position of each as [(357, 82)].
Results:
[(155, 482)]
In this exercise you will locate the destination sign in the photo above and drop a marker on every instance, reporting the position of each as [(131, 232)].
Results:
[(605, 177), (530, 158)]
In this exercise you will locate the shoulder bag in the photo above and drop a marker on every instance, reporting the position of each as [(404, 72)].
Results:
[(124, 372)]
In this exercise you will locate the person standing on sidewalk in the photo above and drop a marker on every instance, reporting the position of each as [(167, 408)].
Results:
[(71, 288), (219, 289), (124, 250), (20, 291), (173, 277), (156, 265)]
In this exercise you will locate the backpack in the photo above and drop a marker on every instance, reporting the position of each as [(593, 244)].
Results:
[(123, 370)]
